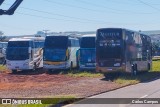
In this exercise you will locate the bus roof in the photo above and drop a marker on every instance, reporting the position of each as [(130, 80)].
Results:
[(89, 35), (28, 39), (69, 37), (35, 38), (20, 39), (123, 29)]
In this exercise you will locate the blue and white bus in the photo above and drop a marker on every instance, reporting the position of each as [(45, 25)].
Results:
[(25, 53), (60, 52), (87, 52)]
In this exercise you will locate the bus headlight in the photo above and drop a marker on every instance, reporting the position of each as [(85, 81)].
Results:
[(26, 63), (9, 64), (82, 65)]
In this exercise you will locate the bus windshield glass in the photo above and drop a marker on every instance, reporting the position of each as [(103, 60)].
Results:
[(110, 49), (87, 55), (56, 42), (54, 54), (17, 53), (18, 44), (109, 44), (87, 42)]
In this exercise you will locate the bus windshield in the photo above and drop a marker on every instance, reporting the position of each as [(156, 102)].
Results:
[(56, 42), (17, 53), (87, 55), (87, 42), (54, 54), (112, 49), (109, 43), (18, 44)]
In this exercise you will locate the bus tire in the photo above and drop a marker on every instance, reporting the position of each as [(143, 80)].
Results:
[(35, 67), (134, 69), (71, 66), (49, 71), (149, 67), (14, 71)]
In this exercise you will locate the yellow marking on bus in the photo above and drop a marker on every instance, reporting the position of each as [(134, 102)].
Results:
[(53, 63)]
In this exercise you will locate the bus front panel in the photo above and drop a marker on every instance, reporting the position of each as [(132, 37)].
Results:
[(109, 50)]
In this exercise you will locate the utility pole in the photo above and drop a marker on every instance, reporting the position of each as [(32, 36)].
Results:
[(45, 31)]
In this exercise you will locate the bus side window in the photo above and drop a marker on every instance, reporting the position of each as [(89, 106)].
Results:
[(69, 43), (76, 43)]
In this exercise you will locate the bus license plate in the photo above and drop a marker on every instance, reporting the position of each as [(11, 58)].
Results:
[(16, 67), (89, 64)]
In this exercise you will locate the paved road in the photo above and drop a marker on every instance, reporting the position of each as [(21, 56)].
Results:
[(142, 90)]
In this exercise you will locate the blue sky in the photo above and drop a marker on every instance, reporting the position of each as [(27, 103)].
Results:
[(80, 15)]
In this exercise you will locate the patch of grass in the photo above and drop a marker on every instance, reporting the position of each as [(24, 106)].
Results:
[(156, 66), (127, 79), (76, 73), (48, 101), (34, 105), (3, 68), (26, 105), (156, 58)]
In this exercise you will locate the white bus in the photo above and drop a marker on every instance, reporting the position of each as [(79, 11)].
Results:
[(25, 53), (87, 52), (60, 52), (3, 46)]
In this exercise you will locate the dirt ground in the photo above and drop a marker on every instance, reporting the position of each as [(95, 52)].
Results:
[(44, 85)]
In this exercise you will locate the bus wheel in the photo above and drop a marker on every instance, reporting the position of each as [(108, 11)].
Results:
[(71, 66), (49, 71), (34, 69), (14, 71), (134, 69), (149, 67)]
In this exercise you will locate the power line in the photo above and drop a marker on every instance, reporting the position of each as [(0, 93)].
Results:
[(102, 6), (116, 11), (37, 16), (51, 18), (81, 19), (69, 5), (148, 5)]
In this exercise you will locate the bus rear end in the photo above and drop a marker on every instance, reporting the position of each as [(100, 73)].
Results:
[(110, 50)]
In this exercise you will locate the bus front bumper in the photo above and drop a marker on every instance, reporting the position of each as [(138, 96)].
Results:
[(110, 69), (87, 65), (59, 65), (19, 65)]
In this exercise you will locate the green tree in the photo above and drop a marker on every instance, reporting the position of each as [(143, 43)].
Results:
[(155, 47), (2, 37)]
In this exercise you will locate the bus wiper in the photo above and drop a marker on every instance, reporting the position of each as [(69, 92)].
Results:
[(12, 9)]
